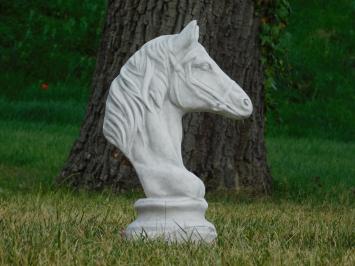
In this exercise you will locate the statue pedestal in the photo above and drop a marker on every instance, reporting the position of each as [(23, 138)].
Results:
[(173, 219)]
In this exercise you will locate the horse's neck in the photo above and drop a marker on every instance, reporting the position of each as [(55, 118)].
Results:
[(157, 159), (160, 141)]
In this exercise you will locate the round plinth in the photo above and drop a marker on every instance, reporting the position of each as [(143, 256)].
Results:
[(172, 220)]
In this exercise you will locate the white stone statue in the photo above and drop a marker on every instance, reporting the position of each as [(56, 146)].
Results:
[(168, 77)]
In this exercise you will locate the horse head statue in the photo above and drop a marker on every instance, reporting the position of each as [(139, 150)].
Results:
[(168, 77)]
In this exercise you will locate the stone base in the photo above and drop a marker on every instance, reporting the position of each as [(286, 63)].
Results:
[(179, 219)]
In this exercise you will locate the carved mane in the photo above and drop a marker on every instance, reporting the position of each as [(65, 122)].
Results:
[(134, 92)]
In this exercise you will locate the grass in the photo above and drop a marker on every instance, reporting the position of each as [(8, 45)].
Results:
[(302, 168), (32, 153), (309, 219), (58, 228), (312, 167)]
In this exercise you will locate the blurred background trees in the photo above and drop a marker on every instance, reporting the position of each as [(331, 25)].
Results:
[(56, 42)]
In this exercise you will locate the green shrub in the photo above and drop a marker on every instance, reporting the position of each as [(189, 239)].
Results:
[(47, 41), (315, 97)]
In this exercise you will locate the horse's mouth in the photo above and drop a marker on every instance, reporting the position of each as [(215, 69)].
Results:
[(235, 112)]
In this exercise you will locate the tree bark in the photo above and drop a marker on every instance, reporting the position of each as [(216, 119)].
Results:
[(222, 152)]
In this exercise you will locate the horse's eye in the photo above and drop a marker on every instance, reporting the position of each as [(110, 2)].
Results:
[(204, 66)]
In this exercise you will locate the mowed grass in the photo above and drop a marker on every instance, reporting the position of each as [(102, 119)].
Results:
[(60, 228), (309, 167), (33, 152), (307, 221)]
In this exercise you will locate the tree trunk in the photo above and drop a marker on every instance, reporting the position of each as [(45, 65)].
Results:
[(222, 152)]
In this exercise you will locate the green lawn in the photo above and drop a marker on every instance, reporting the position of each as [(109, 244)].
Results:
[(33, 152), (309, 219), (58, 228)]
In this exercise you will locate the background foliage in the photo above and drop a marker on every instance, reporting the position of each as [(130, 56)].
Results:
[(312, 92), (48, 41)]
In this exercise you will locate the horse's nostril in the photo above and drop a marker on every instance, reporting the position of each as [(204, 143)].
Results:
[(246, 102)]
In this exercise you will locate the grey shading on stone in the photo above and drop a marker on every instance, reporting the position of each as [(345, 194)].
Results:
[(167, 78)]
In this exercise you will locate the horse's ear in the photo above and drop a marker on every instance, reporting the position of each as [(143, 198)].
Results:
[(188, 36)]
